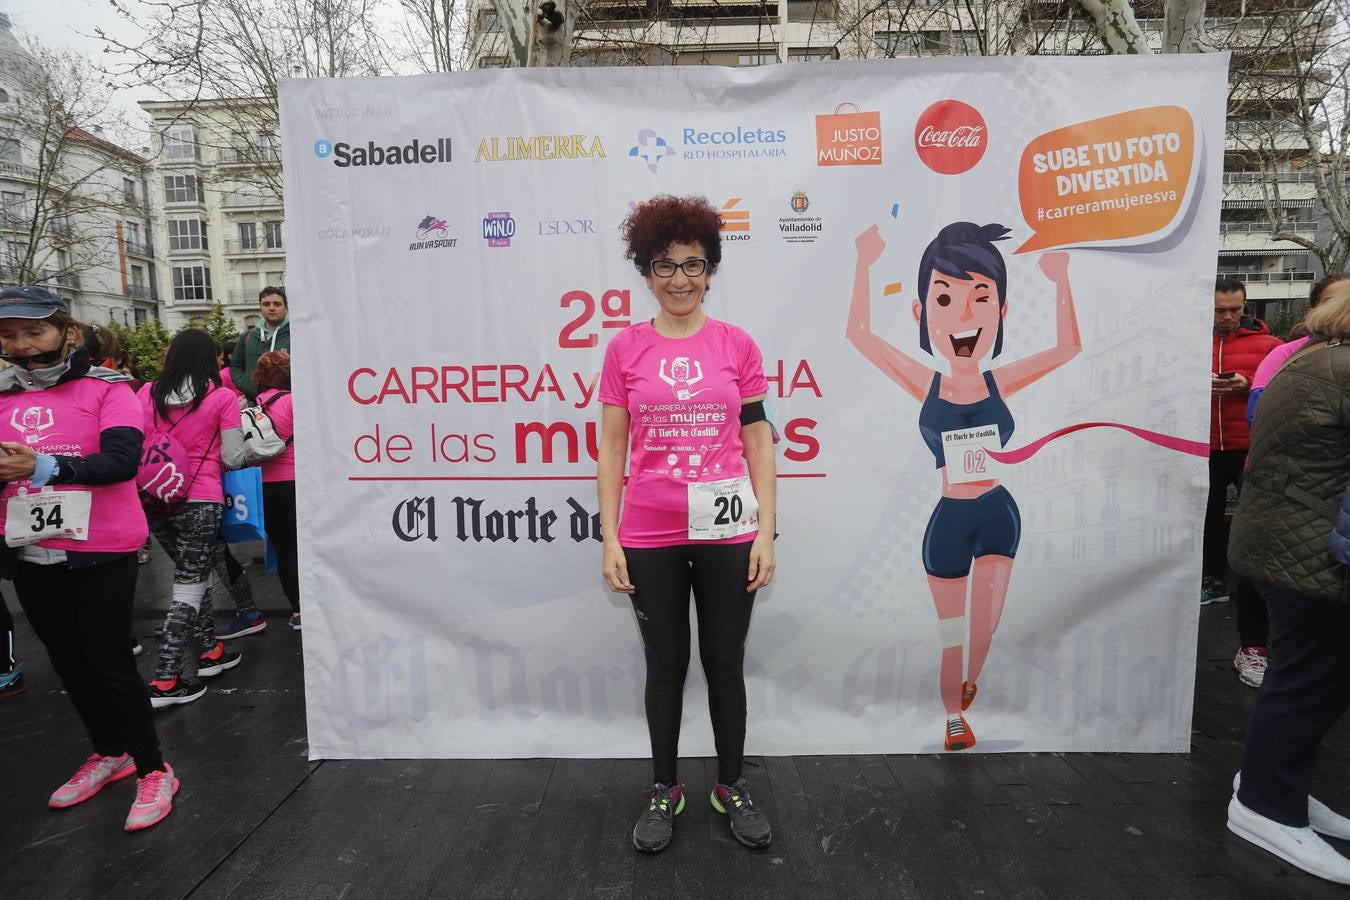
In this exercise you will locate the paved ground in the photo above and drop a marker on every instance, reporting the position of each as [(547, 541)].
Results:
[(255, 819)]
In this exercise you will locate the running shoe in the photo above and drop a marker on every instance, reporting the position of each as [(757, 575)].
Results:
[(295, 621), (1212, 590), (12, 683), (1250, 663), (154, 799), (136, 648), (653, 831), (959, 735), (90, 778), (968, 691), (242, 624), (143, 555), (216, 660), (174, 691), (1300, 847), (748, 824)]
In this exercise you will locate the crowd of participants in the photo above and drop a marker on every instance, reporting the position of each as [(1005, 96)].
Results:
[(94, 461)]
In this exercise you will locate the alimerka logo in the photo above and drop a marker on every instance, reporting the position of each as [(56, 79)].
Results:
[(848, 137), (950, 137), (345, 155), (539, 147)]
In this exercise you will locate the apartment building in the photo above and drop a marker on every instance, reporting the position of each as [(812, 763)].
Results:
[(217, 198), (73, 211)]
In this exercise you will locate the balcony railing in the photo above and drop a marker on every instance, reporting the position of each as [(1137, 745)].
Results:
[(1264, 228), (253, 248), (1270, 277), (18, 170), (139, 292), (238, 156), (249, 201), (138, 249), (1259, 177)]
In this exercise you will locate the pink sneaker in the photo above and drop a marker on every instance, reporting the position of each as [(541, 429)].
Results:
[(90, 778), (154, 799)]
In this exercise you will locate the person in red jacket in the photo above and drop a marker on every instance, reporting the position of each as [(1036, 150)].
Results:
[(1241, 342)]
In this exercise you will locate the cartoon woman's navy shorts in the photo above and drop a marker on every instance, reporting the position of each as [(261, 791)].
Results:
[(960, 531)]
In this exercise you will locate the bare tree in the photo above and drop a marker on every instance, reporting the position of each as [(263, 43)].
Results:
[(225, 58), (433, 34), (60, 220)]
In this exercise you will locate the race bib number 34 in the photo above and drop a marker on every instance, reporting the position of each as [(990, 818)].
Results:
[(722, 509), (967, 458), (41, 515)]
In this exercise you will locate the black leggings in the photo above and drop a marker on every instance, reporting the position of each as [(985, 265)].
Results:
[(83, 617), (279, 516), (663, 577), (7, 660)]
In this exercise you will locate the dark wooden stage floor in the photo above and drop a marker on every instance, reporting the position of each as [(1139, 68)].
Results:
[(256, 819)]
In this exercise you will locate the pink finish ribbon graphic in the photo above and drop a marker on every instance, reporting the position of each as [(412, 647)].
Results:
[(1195, 448)]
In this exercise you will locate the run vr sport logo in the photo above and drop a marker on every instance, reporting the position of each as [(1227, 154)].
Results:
[(419, 151)]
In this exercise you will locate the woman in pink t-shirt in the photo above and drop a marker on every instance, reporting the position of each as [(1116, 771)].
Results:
[(187, 403), (273, 379), (683, 399), (70, 444)]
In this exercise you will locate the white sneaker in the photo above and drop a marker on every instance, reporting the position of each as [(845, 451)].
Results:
[(1321, 818), (1250, 663), (1302, 848)]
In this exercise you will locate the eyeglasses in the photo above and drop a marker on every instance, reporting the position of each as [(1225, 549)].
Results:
[(664, 268)]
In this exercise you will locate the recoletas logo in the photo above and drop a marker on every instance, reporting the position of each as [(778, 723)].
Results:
[(417, 152), (651, 147)]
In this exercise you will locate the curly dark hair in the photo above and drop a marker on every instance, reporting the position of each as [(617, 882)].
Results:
[(274, 371), (665, 220)]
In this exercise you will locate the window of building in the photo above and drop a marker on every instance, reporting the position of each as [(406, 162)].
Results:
[(180, 143), (272, 234), (810, 54), (138, 276), (182, 189), (269, 149), (811, 10), (965, 43), (492, 62), (248, 235), (133, 232), (11, 151), (894, 43), (276, 279), (488, 21), (129, 190), (142, 317), (12, 203), (187, 234), (62, 260), (191, 283), (756, 59)]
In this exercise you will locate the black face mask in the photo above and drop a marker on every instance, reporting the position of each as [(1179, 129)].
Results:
[(45, 358)]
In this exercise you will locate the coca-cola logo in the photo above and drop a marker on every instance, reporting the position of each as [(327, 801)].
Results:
[(950, 137)]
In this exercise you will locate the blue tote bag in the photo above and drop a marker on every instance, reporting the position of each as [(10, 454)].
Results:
[(243, 518)]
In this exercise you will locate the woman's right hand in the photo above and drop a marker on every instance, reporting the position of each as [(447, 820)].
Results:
[(615, 569), (870, 246)]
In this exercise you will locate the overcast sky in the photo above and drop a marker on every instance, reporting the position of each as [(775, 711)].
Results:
[(70, 24)]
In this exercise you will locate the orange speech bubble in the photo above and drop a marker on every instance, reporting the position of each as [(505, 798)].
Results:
[(1112, 179)]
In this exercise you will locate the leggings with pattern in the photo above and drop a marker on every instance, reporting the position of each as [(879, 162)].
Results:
[(190, 537)]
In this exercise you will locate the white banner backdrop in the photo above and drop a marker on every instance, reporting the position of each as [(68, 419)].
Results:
[(455, 273)]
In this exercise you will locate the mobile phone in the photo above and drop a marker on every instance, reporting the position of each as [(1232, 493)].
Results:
[(1227, 375)]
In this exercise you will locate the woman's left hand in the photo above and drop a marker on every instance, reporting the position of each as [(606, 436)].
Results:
[(761, 562), (16, 461)]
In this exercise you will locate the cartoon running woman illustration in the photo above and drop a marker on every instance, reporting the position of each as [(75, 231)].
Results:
[(679, 377), (31, 424), (976, 526)]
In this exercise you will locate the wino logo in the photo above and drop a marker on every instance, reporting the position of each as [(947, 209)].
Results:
[(848, 138), (735, 222), (651, 147), (498, 229)]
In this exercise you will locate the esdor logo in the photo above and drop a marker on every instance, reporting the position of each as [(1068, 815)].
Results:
[(951, 137)]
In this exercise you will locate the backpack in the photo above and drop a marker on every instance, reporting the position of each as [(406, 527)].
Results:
[(160, 477), (261, 441)]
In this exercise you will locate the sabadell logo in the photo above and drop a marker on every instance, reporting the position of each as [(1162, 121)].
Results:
[(346, 155), (950, 137)]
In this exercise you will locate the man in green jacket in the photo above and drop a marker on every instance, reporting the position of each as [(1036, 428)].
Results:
[(273, 333)]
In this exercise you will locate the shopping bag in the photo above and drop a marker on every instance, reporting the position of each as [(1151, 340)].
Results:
[(848, 138), (243, 518)]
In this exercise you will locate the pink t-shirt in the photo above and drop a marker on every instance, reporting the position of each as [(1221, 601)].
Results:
[(683, 396), (1274, 359), (198, 431), (68, 420), (227, 381), (280, 468)]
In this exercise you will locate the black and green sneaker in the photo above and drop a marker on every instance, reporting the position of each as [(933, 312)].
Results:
[(654, 829), (748, 824)]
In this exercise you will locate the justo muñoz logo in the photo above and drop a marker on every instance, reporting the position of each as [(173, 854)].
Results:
[(848, 137), (951, 137)]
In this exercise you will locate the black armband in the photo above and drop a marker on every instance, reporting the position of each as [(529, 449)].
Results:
[(752, 413)]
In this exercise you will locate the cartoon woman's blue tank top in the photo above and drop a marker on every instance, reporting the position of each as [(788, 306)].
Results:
[(938, 415)]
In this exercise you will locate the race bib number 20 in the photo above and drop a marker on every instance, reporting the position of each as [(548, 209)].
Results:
[(41, 515), (722, 509)]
